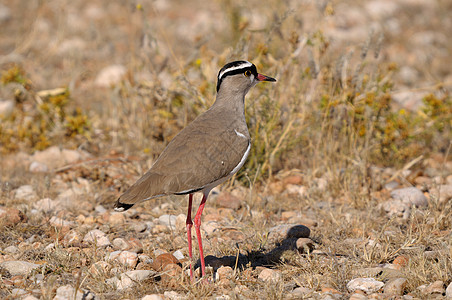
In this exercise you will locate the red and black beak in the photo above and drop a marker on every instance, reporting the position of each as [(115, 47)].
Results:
[(261, 77)]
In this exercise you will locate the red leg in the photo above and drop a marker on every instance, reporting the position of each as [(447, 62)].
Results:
[(189, 225), (197, 222)]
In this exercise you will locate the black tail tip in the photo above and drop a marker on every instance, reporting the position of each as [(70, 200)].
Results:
[(122, 206)]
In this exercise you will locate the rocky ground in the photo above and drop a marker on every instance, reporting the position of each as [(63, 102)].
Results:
[(367, 231)]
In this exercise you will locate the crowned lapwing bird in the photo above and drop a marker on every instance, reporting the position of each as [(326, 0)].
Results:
[(204, 154)]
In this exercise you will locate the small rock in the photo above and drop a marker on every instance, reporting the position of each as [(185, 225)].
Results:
[(98, 237), (45, 205), (99, 268), (181, 221), (139, 227), (367, 285), (172, 295), (226, 199), (17, 267), (30, 297), (449, 291), (72, 239), (11, 250), (168, 221), (442, 192), (68, 292), (120, 244), (152, 297), (400, 262), (128, 259), (6, 106), (162, 260), (100, 209), (269, 275), (285, 231), (210, 227), (37, 167), (117, 218), (301, 292), (357, 296), (395, 286), (57, 222), (178, 254), (224, 272), (436, 287), (128, 279), (50, 157), (410, 196), (25, 192), (10, 216), (110, 76)]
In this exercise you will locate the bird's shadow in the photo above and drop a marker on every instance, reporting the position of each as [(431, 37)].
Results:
[(257, 258)]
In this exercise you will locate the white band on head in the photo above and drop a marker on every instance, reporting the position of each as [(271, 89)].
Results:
[(243, 65)]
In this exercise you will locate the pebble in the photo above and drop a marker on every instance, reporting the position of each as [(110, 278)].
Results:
[(395, 286), (38, 167), (173, 295), (152, 297), (436, 287), (288, 231), (269, 275), (358, 296), (99, 268), (72, 239), (129, 278), (57, 222), (6, 106), (117, 218), (110, 75), (98, 237), (120, 244), (301, 292), (11, 216), (227, 200), (449, 291), (410, 196), (401, 262), (128, 259), (100, 209), (139, 227), (442, 192), (367, 285), (11, 250), (18, 267), (45, 205), (25, 192), (68, 292), (178, 254), (30, 297), (168, 221), (224, 272), (162, 260)]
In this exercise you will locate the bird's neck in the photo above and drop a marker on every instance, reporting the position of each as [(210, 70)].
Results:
[(234, 102)]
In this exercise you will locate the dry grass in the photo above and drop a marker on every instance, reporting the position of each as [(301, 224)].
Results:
[(331, 117)]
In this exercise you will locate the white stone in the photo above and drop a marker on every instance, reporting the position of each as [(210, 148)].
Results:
[(98, 237), (449, 291), (152, 297), (120, 244), (6, 108), (45, 205), (367, 285), (66, 292), (25, 192), (168, 220), (269, 275), (128, 259), (128, 279), (11, 250), (37, 167), (410, 196), (17, 267), (110, 75), (178, 254), (58, 222)]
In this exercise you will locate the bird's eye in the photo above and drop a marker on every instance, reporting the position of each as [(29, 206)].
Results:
[(247, 73)]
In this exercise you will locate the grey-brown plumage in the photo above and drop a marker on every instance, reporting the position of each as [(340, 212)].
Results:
[(205, 153)]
